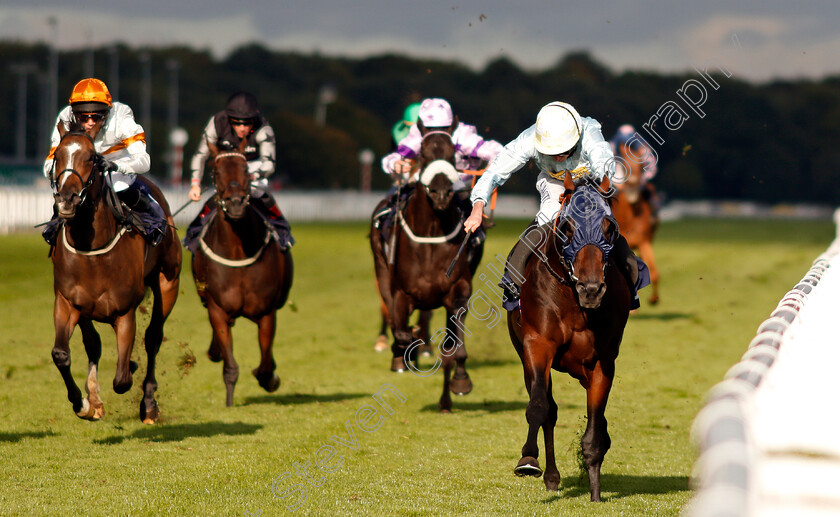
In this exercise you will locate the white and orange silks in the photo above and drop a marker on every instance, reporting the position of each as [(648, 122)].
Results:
[(120, 140)]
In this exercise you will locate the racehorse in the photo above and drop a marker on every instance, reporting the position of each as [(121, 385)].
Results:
[(429, 229), (240, 270), (632, 209), (101, 272), (573, 309)]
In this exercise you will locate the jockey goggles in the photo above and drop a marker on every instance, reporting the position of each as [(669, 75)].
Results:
[(83, 117)]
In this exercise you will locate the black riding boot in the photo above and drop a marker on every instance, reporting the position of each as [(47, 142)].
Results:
[(147, 213), (267, 207), (628, 264), (50, 232), (529, 241)]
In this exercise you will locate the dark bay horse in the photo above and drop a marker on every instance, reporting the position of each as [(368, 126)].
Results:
[(633, 211), (573, 310), (240, 270), (429, 231), (101, 272)]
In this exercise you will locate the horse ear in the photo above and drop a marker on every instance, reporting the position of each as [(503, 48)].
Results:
[(454, 125), (568, 182), (61, 129), (214, 149), (421, 127), (242, 145), (606, 187)]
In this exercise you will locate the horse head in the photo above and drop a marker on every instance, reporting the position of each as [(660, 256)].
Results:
[(588, 232), (437, 144), (437, 178), (232, 180), (75, 170)]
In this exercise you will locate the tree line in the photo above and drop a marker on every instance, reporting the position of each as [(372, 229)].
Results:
[(771, 142)]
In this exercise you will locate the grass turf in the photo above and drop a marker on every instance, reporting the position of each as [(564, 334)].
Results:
[(720, 279)]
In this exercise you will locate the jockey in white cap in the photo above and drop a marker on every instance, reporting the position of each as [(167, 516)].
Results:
[(560, 142)]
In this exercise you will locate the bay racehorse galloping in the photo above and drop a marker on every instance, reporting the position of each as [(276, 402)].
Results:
[(240, 270), (429, 230), (634, 213), (101, 271), (573, 310)]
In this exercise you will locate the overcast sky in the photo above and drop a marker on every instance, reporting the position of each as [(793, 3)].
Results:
[(771, 38)]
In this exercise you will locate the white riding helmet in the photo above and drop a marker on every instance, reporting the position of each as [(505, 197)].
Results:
[(558, 128), (436, 113)]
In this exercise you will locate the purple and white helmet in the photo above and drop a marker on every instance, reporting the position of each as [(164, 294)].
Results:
[(436, 113)]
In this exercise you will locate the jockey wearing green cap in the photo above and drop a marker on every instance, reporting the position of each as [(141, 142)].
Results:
[(401, 128)]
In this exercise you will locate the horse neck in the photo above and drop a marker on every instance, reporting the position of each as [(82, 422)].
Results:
[(424, 220), (93, 226), (240, 238)]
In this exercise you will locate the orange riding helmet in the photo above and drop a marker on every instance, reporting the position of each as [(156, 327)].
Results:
[(90, 95)]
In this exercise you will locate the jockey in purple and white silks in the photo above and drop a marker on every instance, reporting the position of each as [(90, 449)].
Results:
[(436, 114)]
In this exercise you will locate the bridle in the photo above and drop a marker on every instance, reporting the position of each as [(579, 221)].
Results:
[(220, 199), (85, 183)]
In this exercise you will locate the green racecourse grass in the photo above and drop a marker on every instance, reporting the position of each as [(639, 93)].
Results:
[(720, 280)]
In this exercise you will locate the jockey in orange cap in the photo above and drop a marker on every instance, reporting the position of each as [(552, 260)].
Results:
[(122, 143)]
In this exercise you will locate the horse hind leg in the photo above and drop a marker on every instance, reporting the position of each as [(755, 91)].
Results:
[(93, 347), (264, 373), (421, 331), (382, 339), (552, 475)]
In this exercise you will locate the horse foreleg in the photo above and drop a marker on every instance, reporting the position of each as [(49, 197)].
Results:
[(552, 475), (125, 327), (536, 362), (646, 254), (93, 347), (461, 383), (596, 440), (220, 322), (400, 311), (265, 371), (65, 318)]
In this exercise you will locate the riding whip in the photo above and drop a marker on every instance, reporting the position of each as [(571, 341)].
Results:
[(461, 249)]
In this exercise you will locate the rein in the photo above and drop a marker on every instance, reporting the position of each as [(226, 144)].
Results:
[(228, 262)]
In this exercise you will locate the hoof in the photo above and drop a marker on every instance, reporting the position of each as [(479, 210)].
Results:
[(398, 365), (381, 343), (214, 353), (270, 385), (461, 385), (528, 466), (653, 300), (425, 350), (90, 412), (149, 416)]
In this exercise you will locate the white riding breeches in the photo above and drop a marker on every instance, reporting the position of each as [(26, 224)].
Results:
[(550, 190), (120, 181)]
